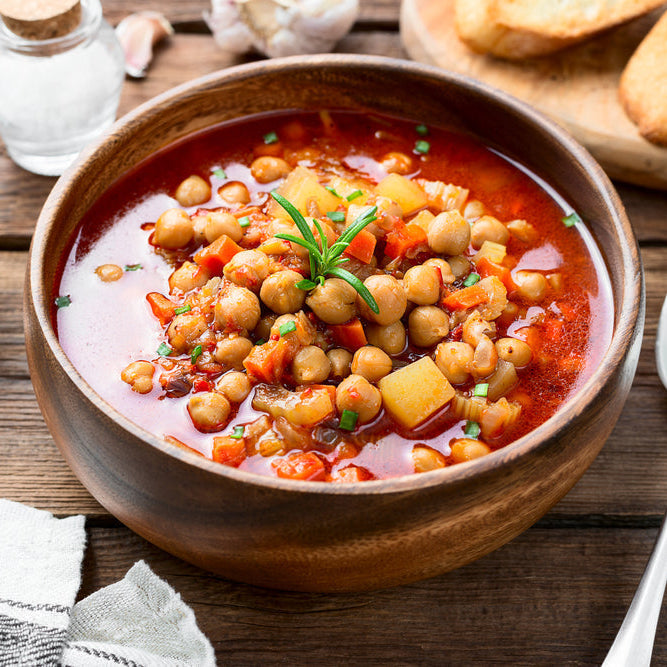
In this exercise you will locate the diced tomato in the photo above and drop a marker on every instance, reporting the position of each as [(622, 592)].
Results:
[(403, 240), (230, 451), (350, 335), (214, 256), (162, 308), (465, 298), (486, 268), (303, 465), (267, 362), (202, 385), (362, 246)]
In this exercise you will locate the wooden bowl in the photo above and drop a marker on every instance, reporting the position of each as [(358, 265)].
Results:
[(314, 536)]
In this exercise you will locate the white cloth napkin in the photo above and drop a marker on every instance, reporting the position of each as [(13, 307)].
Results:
[(139, 621)]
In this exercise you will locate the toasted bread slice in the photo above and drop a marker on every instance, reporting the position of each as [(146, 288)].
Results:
[(643, 88), (568, 19)]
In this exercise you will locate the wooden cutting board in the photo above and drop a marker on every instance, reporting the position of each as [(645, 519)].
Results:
[(578, 87)]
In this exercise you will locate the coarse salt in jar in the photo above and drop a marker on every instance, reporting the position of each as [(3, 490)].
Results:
[(61, 72)]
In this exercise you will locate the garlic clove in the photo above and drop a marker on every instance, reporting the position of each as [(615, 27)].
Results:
[(138, 33)]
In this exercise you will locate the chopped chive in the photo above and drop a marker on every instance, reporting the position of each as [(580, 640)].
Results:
[(421, 130), (286, 328), (244, 221), (306, 285), (471, 279), (63, 301), (133, 267), (353, 195), (481, 389), (472, 429), (571, 220), (270, 138), (164, 350), (219, 173), (196, 353), (336, 216), (183, 309), (261, 341), (422, 147), (332, 191), (237, 434), (348, 420)]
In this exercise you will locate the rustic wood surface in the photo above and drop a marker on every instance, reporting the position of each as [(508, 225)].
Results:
[(556, 595)]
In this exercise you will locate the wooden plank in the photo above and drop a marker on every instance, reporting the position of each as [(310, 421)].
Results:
[(552, 596)]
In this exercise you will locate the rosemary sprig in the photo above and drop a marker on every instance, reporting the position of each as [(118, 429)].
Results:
[(328, 260)]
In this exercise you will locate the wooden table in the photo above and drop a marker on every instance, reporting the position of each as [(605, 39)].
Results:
[(555, 595)]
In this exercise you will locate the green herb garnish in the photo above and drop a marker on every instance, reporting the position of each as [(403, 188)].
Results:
[(326, 262), (244, 221), (481, 389), (348, 420), (336, 216), (471, 279), (63, 301), (261, 341), (183, 309), (422, 147), (219, 173), (421, 130), (196, 353), (353, 195), (132, 267), (286, 328), (270, 138), (571, 220), (332, 191), (237, 433), (472, 429), (164, 350)]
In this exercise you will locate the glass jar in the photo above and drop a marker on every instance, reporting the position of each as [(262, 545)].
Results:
[(58, 94)]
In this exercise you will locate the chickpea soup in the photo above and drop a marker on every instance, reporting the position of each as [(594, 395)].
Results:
[(333, 296)]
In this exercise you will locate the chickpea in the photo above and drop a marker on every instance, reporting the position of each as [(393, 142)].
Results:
[(266, 168), (371, 362), (248, 269), (455, 361), (474, 327), (522, 230), (459, 266), (237, 308), (397, 163), (445, 269), (187, 276), (209, 411), (488, 228), (485, 358), (311, 365), (185, 329), (192, 191), (231, 351), (356, 393), (305, 332), (280, 293), (422, 285), (234, 193), (428, 325), (425, 458), (234, 386), (515, 351), (173, 229), (389, 296), (334, 302), (449, 233), (219, 223), (474, 209), (467, 449), (139, 375), (109, 273), (390, 338), (530, 285), (263, 328), (341, 360)]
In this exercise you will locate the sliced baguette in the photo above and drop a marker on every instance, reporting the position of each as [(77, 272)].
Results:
[(643, 87)]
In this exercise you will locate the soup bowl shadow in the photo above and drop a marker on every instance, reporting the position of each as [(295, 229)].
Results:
[(313, 536)]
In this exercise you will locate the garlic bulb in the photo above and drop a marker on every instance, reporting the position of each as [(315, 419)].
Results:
[(137, 34), (280, 27)]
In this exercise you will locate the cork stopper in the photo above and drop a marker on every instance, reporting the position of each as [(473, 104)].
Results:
[(41, 19)]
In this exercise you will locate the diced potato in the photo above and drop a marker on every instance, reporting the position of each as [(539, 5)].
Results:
[(406, 193), (302, 188), (444, 196), (345, 188), (413, 393), (423, 219), (494, 252)]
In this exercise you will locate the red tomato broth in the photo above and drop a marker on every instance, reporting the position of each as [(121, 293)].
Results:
[(108, 325)]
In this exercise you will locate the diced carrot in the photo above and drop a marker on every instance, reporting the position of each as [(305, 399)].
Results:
[(362, 246), (350, 335), (403, 239), (163, 308), (486, 268), (465, 298), (214, 256), (303, 465), (267, 362), (230, 451)]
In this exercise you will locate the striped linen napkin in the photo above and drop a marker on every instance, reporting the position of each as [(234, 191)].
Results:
[(139, 621)]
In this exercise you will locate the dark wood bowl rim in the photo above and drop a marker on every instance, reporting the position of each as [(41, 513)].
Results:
[(535, 441)]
